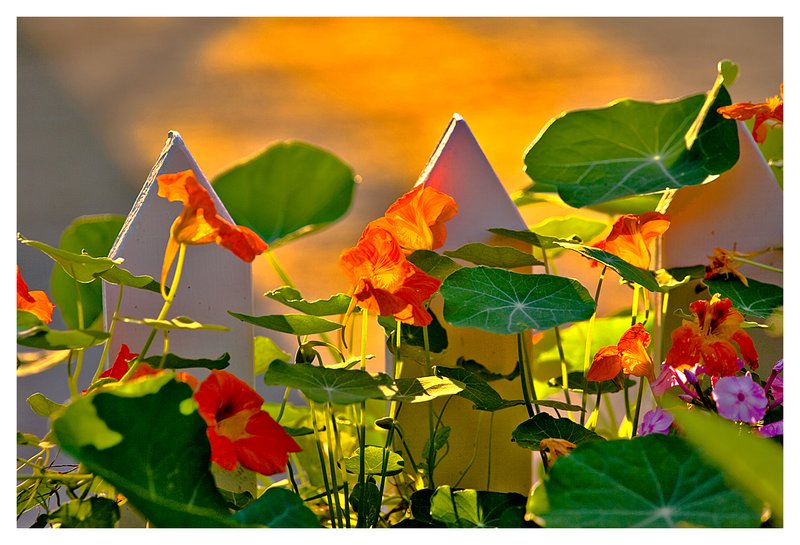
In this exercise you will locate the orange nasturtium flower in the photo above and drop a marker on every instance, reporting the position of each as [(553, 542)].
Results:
[(629, 356), (35, 302), (631, 235), (238, 430), (417, 218), (708, 337), (554, 448), (769, 110), (723, 264), (384, 281), (199, 222)]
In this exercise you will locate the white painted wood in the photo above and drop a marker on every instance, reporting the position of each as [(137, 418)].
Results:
[(459, 168), (213, 281)]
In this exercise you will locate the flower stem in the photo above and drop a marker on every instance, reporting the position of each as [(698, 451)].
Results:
[(587, 354), (431, 429), (111, 328), (322, 464), (557, 332), (362, 435), (757, 264), (76, 372), (523, 380), (340, 456), (398, 369), (332, 462), (638, 406), (164, 309)]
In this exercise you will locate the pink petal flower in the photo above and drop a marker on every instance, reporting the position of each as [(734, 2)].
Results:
[(777, 390), (656, 421), (738, 398), (771, 430)]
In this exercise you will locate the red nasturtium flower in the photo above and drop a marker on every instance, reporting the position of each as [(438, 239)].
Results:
[(238, 430), (769, 110), (417, 218), (35, 302), (629, 356), (385, 281), (708, 336), (122, 364), (199, 222), (631, 235)]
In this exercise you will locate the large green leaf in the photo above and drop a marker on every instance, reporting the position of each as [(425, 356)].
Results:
[(321, 384), (296, 324), (631, 148), (501, 301), (160, 459), (631, 273), (305, 187), (436, 265), (757, 299), (374, 462), (477, 508), (265, 351), (95, 235), (174, 361), (418, 390), (543, 426), (651, 481), (335, 304), (49, 339), (277, 508), (493, 256), (756, 468), (476, 389)]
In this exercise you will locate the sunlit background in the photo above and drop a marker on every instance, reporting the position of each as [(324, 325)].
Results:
[(96, 97)]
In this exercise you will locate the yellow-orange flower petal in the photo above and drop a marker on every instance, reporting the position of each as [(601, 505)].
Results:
[(199, 223), (36, 302), (384, 281), (417, 218), (709, 337), (771, 110), (554, 448), (632, 234), (629, 356)]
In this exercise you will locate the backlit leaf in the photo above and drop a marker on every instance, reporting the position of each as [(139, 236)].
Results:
[(477, 508), (49, 339), (631, 148), (417, 390), (476, 389), (501, 301), (493, 256), (373, 462), (438, 266), (94, 512), (543, 426), (757, 299), (296, 324), (335, 304), (306, 187), (629, 272), (321, 384), (265, 351), (655, 481)]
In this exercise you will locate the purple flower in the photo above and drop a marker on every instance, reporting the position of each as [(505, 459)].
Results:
[(776, 388), (738, 398), (656, 421), (669, 377), (771, 430)]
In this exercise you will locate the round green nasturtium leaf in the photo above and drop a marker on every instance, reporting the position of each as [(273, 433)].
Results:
[(296, 324), (305, 187), (468, 508), (655, 481), (44, 338), (505, 302), (139, 438), (365, 499), (335, 304), (631, 148), (266, 351), (476, 389), (374, 462), (277, 508), (323, 384), (757, 299), (421, 389), (506, 257), (438, 266), (543, 426)]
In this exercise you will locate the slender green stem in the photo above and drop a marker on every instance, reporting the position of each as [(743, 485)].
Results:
[(398, 369), (362, 435), (332, 462), (587, 354), (76, 372), (111, 328), (166, 350), (161, 315), (340, 456), (638, 406), (523, 381), (431, 430), (322, 464), (292, 480), (489, 454), (283, 404), (557, 331), (757, 264), (73, 387), (474, 449)]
